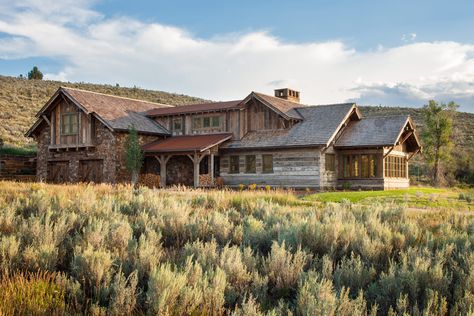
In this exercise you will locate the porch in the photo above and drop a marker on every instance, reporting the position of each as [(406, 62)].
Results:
[(182, 159)]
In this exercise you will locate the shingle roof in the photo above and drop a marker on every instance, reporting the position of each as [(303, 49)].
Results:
[(319, 125), (118, 112), (373, 131), (285, 107), (197, 143), (193, 108)]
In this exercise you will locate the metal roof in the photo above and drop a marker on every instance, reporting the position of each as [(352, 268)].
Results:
[(194, 108), (189, 143)]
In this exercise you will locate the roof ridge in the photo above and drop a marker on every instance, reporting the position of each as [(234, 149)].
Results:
[(281, 99), (211, 102), (116, 96), (326, 105), (387, 115)]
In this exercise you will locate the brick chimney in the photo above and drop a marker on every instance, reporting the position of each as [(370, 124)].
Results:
[(288, 94)]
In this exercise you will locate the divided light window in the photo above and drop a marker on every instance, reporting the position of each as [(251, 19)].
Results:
[(267, 163), (395, 167), (234, 164), (330, 162), (206, 122), (359, 166), (250, 164), (69, 124)]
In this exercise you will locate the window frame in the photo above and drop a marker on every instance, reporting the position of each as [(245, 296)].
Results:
[(268, 171), (253, 168), (234, 169), (174, 121), (71, 124), (206, 122), (359, 166)]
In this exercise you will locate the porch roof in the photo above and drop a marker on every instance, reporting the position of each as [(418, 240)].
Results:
[(190, 143)]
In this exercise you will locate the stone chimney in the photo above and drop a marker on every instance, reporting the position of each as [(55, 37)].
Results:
[(288, 94)]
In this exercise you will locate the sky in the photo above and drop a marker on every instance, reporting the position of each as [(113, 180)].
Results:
[(391, 53)]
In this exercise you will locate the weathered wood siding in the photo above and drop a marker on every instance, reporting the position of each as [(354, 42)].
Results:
[(298, 168), (261, 117), (85, 126), (328, 177)]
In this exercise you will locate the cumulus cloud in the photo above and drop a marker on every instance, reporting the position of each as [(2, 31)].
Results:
[(152, 55)]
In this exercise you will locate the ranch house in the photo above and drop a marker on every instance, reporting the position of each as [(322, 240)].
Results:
[(261, 139)]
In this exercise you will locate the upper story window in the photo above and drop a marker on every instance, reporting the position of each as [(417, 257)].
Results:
[(206, 122), (69, 124), (177, 125)]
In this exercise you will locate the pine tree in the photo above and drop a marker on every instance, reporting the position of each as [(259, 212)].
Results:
[(35, 73)]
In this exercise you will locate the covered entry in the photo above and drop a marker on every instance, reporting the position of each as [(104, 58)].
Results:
[(182, 157)]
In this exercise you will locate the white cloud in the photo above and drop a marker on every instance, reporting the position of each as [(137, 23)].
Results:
[(151, 55)]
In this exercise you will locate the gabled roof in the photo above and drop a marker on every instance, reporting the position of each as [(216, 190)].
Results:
[(376, 131), (318, 127), (188, 143), (117, 113), (195, 108), (285, 108)]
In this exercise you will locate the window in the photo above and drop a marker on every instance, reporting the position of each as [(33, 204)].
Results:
[(178, 124), (234, 164), (395, 167), (330, 161), (69, 124), (206, 122), (250, 164), (359, 166), (267, 163)]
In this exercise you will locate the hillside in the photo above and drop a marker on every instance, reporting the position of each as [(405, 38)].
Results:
[(20, 99)]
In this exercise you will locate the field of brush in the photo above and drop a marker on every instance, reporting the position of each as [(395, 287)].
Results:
[(111, 250)]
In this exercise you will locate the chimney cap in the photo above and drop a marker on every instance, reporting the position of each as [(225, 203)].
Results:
[(288, 94)]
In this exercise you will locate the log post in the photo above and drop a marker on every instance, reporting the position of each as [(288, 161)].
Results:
[(163, 160), (211, 167), (196, 159)]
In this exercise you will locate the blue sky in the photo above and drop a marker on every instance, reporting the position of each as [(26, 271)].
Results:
[(372, 52)]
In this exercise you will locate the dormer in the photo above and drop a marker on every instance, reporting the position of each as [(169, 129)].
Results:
[(288, 94)]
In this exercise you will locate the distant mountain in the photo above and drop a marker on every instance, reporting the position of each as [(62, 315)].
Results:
[(20, 99)]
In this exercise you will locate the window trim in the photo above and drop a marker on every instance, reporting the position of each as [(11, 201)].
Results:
[(352, 166), (202, 118), (332, 165)]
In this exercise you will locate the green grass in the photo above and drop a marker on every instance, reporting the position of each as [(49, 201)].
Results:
[(415, 197), (18, 151)]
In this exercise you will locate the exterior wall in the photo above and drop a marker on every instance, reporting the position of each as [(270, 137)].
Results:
[(261, 117), (180, 170), (328, 178), (109, 149), (298, 168), (395, 183), (20, 168)]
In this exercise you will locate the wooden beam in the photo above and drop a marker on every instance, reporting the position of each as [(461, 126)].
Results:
[(389, 151), (406, 137), (163, 160), (413, 154), (46, 119), (211, 167)]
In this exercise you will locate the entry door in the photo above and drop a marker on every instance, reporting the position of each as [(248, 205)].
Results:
[(90, 171), (58, 172)]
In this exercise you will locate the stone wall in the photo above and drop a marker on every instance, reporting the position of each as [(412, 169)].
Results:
[(109, 148), (180, 170)]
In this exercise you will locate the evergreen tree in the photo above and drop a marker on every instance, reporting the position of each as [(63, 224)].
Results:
[(35, 73), (437, 132), (134, 155)]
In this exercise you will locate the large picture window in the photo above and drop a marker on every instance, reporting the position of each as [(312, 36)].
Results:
[(234, 166), (395, 167), (359, 166), (69, 124)]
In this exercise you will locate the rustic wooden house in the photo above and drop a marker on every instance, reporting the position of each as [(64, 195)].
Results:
[(263, 140)]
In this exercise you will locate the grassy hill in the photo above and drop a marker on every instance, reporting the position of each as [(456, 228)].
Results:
[(20, 99)]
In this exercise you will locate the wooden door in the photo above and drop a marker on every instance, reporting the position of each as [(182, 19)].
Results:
[(58, 172), (90, 171)]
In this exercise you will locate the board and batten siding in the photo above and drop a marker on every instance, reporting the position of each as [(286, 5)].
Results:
[(297, 168)]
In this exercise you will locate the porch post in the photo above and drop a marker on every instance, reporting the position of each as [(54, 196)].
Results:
[(163, 159), (211, 167), (196, 170)]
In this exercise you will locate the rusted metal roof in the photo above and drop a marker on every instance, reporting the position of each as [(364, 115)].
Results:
[(194, 108), (189, 143)]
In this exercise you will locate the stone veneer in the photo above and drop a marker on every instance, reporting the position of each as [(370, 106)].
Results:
[(109, 147)]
